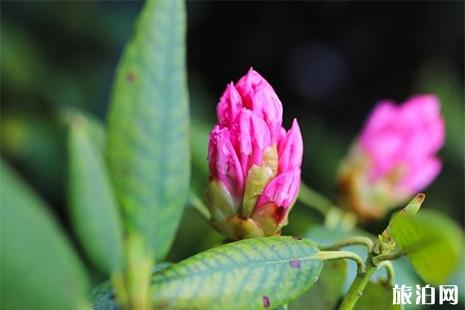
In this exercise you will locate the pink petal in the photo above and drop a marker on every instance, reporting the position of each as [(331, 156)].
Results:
[(258, 96), (229, 106), (291, 149), (382, 115), (223, 161), (418, 178), (250, 137), (282, 190), (420, 107)]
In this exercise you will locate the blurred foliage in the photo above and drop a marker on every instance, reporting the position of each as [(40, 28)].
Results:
[(48, 271), (91, 196), (379, 294)]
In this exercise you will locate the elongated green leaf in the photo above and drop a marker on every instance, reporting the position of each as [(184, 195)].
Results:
[(432, 242), (258, 273), (377, 295), (39, 269), (148, 138), (93, 205), (250, 274)]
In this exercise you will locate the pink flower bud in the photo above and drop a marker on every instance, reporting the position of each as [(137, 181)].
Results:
[(259, 97), (395, 155), (254, 162)]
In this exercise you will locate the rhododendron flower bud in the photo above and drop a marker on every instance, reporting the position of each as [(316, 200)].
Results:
[(254, 162), (394, 157)]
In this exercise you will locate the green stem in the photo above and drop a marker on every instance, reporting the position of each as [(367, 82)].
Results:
[(388, 256), (356, 240), (357, 287), (117, 281), (361, 280), (337, 218), (138, 272), (315, 200), (389, 269), (332, 255), (199, 206)]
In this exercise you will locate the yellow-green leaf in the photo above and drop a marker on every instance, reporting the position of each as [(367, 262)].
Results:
[(432, 242)]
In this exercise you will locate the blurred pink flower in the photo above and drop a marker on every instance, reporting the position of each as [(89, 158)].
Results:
[(254, 162), (395, 155)]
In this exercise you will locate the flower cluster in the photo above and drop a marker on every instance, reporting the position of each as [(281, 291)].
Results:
[(255, 164), (394, 157)]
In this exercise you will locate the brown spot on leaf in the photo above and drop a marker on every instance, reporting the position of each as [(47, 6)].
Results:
[(295, 263), (130, 77), (266, 302)]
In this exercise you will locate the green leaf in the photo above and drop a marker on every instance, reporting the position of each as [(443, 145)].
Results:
[(93, 205), (432, 242), (148, 127), (249, 274), (379, 294), (246, 274), (39, 269), (327, 291)]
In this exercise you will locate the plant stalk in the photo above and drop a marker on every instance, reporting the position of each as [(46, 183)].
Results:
[(138, 273), (332, 255), (357, 287), (389, 270), (117, 281), (388, 256), (315, 200), (356, 240), (199, 206)]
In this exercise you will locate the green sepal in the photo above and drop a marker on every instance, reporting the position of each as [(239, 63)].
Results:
[(268, 217), (239, 227), (220, 202), (257, 179)]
